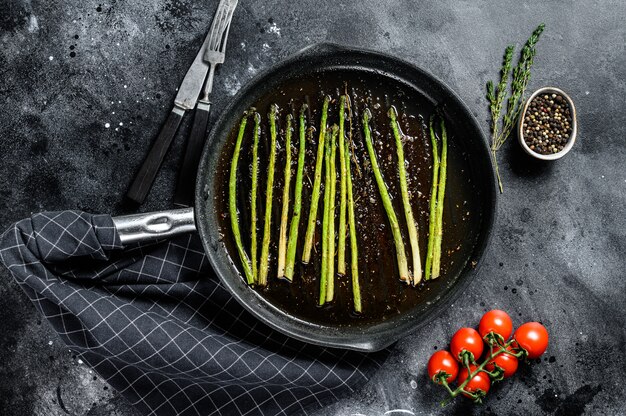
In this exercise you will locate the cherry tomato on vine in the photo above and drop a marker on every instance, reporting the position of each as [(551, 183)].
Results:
[(533, 337), (466, 339), (496, 321), (506, 362), (443, 361), (480, 381)]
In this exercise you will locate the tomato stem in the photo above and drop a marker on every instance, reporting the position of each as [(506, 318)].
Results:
[(494, 375), (521, 352), (445, 384), (466, 361), (472, 395)]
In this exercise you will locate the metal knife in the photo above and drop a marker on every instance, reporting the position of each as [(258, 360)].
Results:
[(214, 54), (186, 98)]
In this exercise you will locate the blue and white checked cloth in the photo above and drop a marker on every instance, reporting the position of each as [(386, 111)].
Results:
[(155, 322)]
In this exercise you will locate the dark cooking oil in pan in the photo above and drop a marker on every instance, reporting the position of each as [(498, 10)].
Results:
[(383, 294)]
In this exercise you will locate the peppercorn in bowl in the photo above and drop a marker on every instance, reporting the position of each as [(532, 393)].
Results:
[(547, 124)]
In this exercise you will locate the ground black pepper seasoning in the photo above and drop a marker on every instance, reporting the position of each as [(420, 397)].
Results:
[(547, 124)]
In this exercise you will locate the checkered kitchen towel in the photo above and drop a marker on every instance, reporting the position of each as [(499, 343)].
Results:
[(155, 322)]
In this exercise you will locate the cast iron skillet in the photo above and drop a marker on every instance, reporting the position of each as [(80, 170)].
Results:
[(316, 58)]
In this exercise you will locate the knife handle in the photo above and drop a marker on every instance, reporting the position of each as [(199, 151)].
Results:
[(147, 173), (188, 169)]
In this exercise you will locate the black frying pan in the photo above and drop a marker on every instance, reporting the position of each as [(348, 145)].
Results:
[(325, 58)]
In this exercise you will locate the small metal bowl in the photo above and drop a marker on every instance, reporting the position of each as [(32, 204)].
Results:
[(572, 138)]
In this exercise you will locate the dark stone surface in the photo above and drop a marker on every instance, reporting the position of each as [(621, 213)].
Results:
[(558, 256)]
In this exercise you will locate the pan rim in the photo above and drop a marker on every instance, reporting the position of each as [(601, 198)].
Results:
[(374, 337)]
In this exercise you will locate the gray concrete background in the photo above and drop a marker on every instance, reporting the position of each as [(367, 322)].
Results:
[(70, 68)]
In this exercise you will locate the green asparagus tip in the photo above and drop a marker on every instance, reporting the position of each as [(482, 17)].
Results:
[(327, 99), (257, 117), (274, 109), (392, 113), (367, 115), (348, 100), (303, 109)]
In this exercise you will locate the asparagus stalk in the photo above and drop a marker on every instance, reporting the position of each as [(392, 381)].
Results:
[(384, 194), (297, 205), (432, 216), (253, 196), (441, 192), (330, 278), (406, 202), (264, 262), (282, 241), (232, 203), (315, 197), (325, 224), (341, 249), (354, 253)]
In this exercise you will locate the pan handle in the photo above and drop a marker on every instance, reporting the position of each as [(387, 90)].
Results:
[(153, 225)]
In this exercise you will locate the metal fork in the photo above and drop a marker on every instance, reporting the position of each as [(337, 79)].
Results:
[(214, 55), (216, 49)]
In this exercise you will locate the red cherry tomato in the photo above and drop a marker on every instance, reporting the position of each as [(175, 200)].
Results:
[(466, 339), (506, 362), (496, 321), (533, 337), (443, 361), (480, 381)]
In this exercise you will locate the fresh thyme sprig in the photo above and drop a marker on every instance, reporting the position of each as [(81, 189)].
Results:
[(501, 129), (496, 100)]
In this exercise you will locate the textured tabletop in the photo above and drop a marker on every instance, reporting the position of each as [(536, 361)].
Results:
[(86, 85)]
